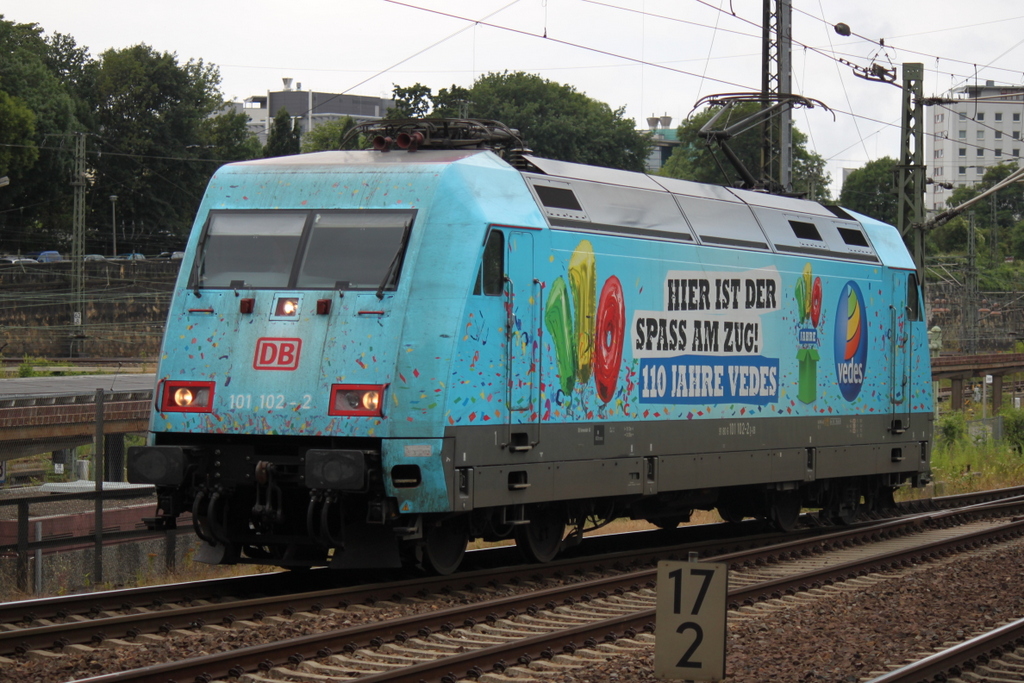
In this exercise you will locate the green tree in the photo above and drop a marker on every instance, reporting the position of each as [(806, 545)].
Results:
[(228, 137), (18, 152), (39, 174), (284, 137), (76, 70), (870, 190), (455, 102), (810, 178), (330, 136), (413, 102), (149, 139), (950, 237), (999, 229), (692, 160), (555, 120), (558, 122), (152, 115)]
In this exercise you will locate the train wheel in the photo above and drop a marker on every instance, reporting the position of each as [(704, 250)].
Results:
[(541, 539), (730, 514), (882, 500), (444, 545), (844, 504), (669, 523), (784, 510)]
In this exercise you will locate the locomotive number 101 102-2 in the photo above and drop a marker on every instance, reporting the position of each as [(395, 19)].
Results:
[(268, 402)]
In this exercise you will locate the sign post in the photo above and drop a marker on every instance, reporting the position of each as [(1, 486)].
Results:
[(690, 632)]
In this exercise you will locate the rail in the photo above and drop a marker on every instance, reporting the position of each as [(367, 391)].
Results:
[(260, 659), (950, 663)]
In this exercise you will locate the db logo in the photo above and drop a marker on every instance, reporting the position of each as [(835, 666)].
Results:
[(277, 353)]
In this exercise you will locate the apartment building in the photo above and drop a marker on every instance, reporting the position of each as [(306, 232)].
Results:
[(967, 137)]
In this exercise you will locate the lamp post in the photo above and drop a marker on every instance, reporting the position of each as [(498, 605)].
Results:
[(113, 221)]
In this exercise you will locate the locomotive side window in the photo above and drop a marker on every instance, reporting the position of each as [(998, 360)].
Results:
[(355, 249), (723, 223), (913, 301), (557, 197), (805, 231), (249, 249), (853, 237), (490, 279)]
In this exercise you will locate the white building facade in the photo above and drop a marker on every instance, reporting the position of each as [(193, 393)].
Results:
[(966, 138), (311, 108)]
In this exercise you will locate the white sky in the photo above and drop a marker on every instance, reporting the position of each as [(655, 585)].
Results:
[(653, 57)]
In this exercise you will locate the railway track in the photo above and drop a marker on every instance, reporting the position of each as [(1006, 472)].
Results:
[(542, 620), (640, 548), (94, 619), (996, 655)]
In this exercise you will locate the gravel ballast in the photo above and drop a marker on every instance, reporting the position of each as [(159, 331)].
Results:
[(845, 634)]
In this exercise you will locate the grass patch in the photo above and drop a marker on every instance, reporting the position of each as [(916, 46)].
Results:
[(966, 458), (964, 467)]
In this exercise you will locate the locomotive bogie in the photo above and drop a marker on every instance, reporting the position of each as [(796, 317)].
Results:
[(373, 358)]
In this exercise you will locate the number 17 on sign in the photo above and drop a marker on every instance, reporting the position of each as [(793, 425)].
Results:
[(690, 632)]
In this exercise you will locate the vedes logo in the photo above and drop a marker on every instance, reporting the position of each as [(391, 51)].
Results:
[(277, 353), (851, 335)]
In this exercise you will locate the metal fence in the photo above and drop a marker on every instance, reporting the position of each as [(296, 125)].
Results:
[(25, 546), (48, 520)]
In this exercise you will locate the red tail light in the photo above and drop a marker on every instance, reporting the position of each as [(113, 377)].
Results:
[(357, 400), (187, 397)]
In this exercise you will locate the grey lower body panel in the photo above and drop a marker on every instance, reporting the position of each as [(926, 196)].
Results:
[(596, 460)]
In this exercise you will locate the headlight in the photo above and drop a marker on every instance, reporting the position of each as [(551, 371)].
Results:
[(187, 397), (287, 307), (356, 400)]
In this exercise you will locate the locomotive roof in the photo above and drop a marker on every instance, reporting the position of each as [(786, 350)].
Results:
[(714, 214), (331, 160), (606, 200)]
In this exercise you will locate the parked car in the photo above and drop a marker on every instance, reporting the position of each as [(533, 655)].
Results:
[(131, 257), (8, 260), (94, 257), (49, 257)]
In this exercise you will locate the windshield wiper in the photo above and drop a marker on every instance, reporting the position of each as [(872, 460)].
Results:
[(198, 263), (394, 264)]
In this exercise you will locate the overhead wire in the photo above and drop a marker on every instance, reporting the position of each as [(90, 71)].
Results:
[(560, 41), (706, 3), (846, 94), (830, 54), (413, 55)]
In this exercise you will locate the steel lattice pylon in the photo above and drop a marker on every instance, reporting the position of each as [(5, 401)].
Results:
[(910, 172), (78, 243), (776, 81)]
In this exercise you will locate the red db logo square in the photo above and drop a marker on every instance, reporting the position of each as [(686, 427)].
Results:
[(277, 353)]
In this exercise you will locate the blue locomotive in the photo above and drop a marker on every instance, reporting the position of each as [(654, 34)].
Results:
[(373, 356)]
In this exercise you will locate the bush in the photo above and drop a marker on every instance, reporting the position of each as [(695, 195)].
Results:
[(1013, 428), (952, 428), (27, 367), (30, 363)]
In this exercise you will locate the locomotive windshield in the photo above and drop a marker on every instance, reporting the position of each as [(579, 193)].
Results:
[(302, 249)]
